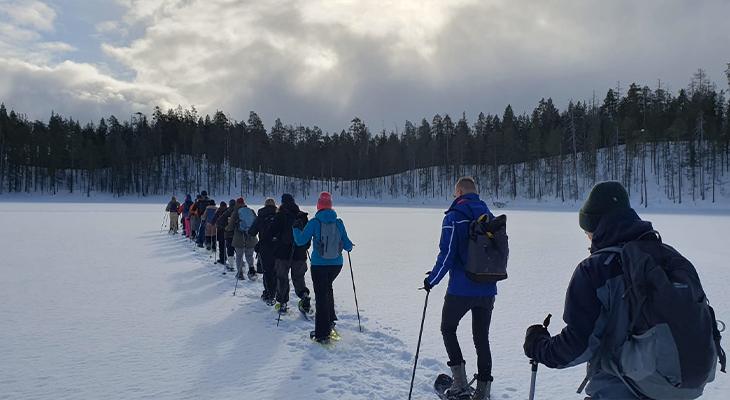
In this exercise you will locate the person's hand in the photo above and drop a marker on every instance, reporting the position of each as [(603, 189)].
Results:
[(534, 334), (426, 285), (298, 224)]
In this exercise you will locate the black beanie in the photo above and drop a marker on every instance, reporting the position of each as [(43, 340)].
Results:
[(605, 197), (286, 198), (203, 193)]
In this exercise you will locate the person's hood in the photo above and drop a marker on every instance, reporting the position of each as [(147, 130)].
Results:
[(188, 198), (326, 216), (619, 227), (267, 210), (292, 208), (210, 207)]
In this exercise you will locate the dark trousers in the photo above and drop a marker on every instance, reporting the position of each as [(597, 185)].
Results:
[(298, 270), (455, 307), (322, 278), (222, 249), (268, 263)]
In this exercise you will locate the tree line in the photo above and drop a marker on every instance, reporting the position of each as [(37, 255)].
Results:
[(682, 139)]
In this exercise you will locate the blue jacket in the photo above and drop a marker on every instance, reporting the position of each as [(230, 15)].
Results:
[(596, 281), (453, 248), (312, 231)]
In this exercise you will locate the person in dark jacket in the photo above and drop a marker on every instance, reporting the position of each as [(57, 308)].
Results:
[(260, 227), (288, 255), (200, 207), (324, 270), (243, 243), (608, 220), (462, 294), (219, 223), (186, 214)]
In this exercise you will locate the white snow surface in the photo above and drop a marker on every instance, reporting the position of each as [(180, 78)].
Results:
[(96, 303)]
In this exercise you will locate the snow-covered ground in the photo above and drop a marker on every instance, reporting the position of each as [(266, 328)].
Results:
[(96, 303)]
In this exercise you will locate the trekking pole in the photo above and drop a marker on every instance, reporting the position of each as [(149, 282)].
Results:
[(418, 348), (535, 363), (163, 221), (235, 288), (354, 291)]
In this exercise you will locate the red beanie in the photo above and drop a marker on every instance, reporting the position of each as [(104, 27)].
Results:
[(240, 201), (325, 201)]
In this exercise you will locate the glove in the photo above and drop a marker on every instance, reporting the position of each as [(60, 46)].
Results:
[(298, 224), (427, 286), (534, 334)]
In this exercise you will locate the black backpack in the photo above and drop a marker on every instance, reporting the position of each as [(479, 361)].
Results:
[(672, 344), (266, 224), (488, 250), (287, 234)]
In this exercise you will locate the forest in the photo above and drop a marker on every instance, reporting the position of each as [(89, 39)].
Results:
[(646, 137)]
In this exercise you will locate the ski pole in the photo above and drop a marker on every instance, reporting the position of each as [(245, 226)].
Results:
[(163, 221), (535, 363), (418, 347), (354, 291)]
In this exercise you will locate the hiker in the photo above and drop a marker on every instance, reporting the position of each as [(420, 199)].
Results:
[(210, 229), (265, 248), (330, 238), (199, 207), (242, 242), (173, 207), (186, 214), (194, 218), (220, 221), (288, 255), (597, 316), (228, 235), (463, 294)]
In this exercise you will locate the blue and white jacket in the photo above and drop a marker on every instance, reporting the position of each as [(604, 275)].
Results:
[(453, 248), (312, 231)]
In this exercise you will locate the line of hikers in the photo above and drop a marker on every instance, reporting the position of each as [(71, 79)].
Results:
[(281, 237)]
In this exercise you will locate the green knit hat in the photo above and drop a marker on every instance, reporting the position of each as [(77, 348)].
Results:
[(605, 197)]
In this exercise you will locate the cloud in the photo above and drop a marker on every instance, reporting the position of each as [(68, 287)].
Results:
[(29, 13), (322, 62)]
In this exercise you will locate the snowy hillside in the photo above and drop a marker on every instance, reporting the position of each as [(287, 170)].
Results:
[(96, 303)]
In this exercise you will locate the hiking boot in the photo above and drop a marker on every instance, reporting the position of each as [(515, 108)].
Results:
[(323, 339), (281, 307), (240, 277), (265, 296), (306, 303), (251, 273), (270, 301), (460, 387), (483, 390)]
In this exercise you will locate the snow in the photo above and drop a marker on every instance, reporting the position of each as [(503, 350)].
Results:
[(95, 302)]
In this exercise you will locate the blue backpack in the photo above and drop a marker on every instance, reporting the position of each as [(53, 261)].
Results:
[(246, 216)]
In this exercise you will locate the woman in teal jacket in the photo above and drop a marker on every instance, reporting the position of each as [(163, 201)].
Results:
[(324, 270)]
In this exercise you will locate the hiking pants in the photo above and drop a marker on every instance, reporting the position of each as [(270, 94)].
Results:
[(186, 226), (210, 242), (322, 278), (240, 253), (173, 221), (455, 307), (222, 249), (268, 262), (298, 269), (194, 221), (201, 232), (229, 247)]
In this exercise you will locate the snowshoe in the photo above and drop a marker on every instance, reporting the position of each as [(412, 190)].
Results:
[(324, 342), (270, 302), (281, 308), (443, 383), (305, 307), (334, 335), (252, 275)]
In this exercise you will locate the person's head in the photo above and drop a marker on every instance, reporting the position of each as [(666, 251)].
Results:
[(232, 202), (324, 202), (174, 198), (270, 202), (605, 197), (224, 205), (286, 198), (203, 193), (188, 198), (464, 186), (240, 201)]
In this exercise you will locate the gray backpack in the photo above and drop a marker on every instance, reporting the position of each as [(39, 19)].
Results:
[(671, 343), (330, 244)]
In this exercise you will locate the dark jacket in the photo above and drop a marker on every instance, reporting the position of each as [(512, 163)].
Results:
[(186, 206), (587, 308), (216, 217), (200, 205), (173, 206), (284, 221), (258, 227), (222, 222), (453, 248)]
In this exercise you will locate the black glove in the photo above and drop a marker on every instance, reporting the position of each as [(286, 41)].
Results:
[(534, 334), (298, 224), (427, 286)]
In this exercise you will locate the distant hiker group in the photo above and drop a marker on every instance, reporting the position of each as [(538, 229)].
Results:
[(281, 237)]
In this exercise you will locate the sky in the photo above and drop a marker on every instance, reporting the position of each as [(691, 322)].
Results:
[(324, 62)]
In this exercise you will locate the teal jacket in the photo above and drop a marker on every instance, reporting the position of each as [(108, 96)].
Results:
[(312, 231)]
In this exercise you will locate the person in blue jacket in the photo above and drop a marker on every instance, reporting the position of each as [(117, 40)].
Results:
[(463, 295), (324, 270)]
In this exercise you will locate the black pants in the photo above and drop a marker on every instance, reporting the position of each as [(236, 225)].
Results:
[(268, 262), (298, 269), (455, 307), (221, 249), (229, 247), (322, 278)]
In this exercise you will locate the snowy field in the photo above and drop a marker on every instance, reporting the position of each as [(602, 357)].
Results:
[(96, 303)]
